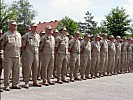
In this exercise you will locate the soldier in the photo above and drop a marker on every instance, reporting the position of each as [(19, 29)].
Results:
[(61, 49), (129, 55), (70, 37), (55, 35), (42, 33), (28, 29), (30, 46), (68, 67), (95, 54), (123, 54), (103, 55), (46, 48), (118, 55), (1, 60), (1, 54), (11, 43), (74, 49), (111, 56), (85, 57)]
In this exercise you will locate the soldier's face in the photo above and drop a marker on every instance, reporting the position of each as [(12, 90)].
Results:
[(55, 34), (33, 28), (28, 30), (124, 40), (64, 32), (97, 38), (13, 27), (76, 36), (118, 39), (41, 34), (104, 37), (87, 38), (48, 31), (112, 39)]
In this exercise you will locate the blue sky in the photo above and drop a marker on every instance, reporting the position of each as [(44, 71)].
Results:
[(50, 10)]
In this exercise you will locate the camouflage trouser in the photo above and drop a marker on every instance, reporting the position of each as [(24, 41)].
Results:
[(74, 65), (88, 68), (11, 64), (129, 65), (106, 63), (123, 62), (95, 64), (55, 65), (84, 65), (61, 68), (47, 62), (117, 64), (31, 63), (103, 64), (39, 66), (111, 64), (68, 66)]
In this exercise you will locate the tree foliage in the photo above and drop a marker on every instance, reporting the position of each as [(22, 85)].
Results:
[(70, 25), (6, 13), (26, 14), (21, 11), (89, 26), (117, 22)]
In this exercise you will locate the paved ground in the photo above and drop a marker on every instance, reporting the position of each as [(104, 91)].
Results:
[(119, 87)]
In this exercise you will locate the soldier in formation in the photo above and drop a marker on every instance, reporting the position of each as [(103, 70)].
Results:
[(10, 44), (54, 53), (30, 47)]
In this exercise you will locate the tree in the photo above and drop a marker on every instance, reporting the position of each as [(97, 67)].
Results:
[(26, 14), (70, 25), (131, 28), (6, 14), (89, 26), (102, 29), (117, 22), (130, 32)]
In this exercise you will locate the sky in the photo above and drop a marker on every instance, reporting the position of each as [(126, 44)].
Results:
[(50, 10)]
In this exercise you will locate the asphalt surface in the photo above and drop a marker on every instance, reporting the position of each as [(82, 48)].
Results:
[(118, 87)]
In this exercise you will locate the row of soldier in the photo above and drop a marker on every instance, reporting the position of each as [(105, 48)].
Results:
[(51, 54)]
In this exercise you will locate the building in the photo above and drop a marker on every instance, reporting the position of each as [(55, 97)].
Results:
[(42, 26)]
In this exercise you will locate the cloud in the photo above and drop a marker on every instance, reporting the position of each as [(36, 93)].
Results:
[(57, 9), (129, 7)]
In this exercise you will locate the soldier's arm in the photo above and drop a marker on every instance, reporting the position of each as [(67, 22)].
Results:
[(71, 45), (57, 42), (3, 41), (81, 46), (24, 41), (41, 45), (20, 40), (101, 43)]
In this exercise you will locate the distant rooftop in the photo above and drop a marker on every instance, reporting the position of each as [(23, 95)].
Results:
[(53, 24)]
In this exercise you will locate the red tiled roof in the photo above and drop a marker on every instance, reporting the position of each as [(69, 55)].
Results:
[(42, 26)]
